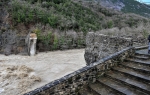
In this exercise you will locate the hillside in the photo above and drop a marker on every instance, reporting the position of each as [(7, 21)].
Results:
[(62, 24), (66, 15), (126, 6)]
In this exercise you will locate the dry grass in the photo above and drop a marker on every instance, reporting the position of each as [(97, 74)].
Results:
[(139, 34)]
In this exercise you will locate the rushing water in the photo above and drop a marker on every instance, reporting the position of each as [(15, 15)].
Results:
[(48, 66)]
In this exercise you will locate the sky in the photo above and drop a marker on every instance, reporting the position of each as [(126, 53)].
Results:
[(144, 1)]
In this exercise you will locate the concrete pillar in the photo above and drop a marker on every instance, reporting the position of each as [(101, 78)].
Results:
[(32, 44)]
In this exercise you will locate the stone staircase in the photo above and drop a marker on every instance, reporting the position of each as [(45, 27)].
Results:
[(131, 77)]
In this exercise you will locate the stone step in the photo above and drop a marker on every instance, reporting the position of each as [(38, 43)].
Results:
[(127, 90), (138, 61), (103, 90), (142, 54), (141, 57), (136, 66), (132, 76), (142, 86), (131, 72), (141, 47), (86, 91)]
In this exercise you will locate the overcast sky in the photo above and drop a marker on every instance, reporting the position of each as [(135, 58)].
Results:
[(147, 1)]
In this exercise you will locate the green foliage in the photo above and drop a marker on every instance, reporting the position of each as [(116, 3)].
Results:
[(61, 40), (52, 20), (62, 14), (68, 15), (110, 24), (37, 32), (54, 1), (46, 39), (131, 22), (55, 43), (145, 33), (80, 42)]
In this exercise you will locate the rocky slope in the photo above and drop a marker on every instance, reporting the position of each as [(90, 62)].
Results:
[(127, 6)]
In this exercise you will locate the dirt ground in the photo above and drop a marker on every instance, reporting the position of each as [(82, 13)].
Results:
[(20, 74)]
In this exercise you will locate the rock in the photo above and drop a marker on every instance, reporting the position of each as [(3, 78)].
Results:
[(99, 46), (7, 50)]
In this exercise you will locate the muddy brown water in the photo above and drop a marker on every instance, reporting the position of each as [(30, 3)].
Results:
[(46, 67)]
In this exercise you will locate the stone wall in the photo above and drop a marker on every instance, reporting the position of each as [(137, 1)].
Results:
[(99, 46), (11, 43), (72, 83)]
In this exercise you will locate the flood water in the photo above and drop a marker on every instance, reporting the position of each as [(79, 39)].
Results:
[(47, 66)]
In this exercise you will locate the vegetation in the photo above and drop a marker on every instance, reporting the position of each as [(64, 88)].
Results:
[(63, 14), (68, 15), (133, 6), (110, 24), (55, 43), (145, 34), (47, 40)]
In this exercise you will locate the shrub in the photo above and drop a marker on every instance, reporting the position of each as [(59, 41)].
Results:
[(37, 32), (145, 34), (55, 14), (47, 40), (55, 43), (68, 15), (62, 40), (53, 21), (110, 24)]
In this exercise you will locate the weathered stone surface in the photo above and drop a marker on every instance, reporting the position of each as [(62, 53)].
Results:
[(99, 46)]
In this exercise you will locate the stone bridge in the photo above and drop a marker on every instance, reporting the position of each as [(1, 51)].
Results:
[(124, 72)]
